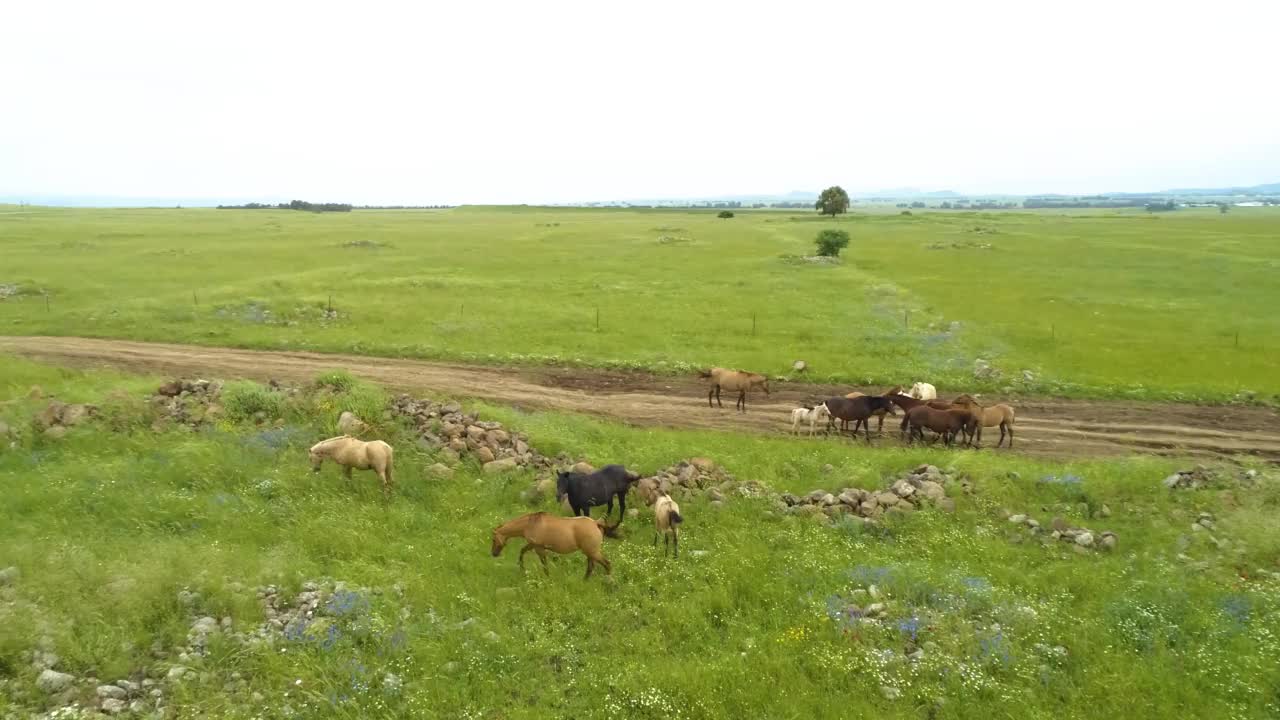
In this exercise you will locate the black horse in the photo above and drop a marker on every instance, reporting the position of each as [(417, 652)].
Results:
[(586, 491), (858, 410)]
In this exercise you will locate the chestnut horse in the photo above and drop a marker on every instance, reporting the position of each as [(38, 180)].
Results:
[(733, 380), (542, 532)]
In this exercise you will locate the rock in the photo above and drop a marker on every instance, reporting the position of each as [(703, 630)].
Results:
[(827, 500), (1104, 511), (850, 497), (440, 471), (875, 609), (177, 672), (886, 499), (946, 504), (828, 468), (799, 366), (111, 691), (1172, 481), (204, 626), (890, 693), (55, 432), (52, 681), (1108, 540), (932, 490), (173, 388), (703, 464), (1017, 519), (114, 706), (1084, 539), (1060, 525), (499, 466), (497, 438), (349, 424), (715, 495), (484, 455), (75, 414), (130, 687), (903, 489), (9, 575)]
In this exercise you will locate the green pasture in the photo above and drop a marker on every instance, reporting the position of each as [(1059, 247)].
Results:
[(1088, 303)]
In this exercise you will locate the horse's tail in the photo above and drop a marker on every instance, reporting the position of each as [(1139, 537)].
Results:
[(674, 518), (391, 453)]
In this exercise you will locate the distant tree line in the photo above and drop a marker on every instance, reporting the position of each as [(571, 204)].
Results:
[(292, 205), (1096, 201), (406, 207)]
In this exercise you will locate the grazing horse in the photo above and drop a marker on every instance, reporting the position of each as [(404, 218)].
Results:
[(355, 454), (858, 409), (733, 380), (947, 423), (585, 491), (907, 403), (666, 520), (989, 416), (543, 532)]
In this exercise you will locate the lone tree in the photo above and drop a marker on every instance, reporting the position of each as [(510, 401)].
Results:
[(1223, 208), (724, 214), (833, 201), (831, 242)]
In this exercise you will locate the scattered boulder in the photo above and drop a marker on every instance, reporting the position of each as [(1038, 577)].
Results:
[(440, 471), (57, 432), (349, 424), (500, 466), (484, 454), (114, 706), (9, 575), (111, 691), (52, 681)]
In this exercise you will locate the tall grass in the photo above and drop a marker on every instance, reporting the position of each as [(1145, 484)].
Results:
[(108, 527)]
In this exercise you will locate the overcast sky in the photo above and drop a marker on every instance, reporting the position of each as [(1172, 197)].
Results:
[(468, 102)]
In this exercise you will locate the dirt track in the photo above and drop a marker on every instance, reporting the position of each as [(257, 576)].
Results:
[(1057, 428)]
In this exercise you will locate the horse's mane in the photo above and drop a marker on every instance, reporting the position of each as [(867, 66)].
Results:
[(895, 390)]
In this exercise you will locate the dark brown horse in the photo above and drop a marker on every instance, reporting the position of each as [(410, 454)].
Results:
[(908, 403), (857, 410), (947, 423)]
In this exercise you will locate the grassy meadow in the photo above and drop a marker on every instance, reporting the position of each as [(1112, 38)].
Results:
[(1092, 303), (111, 525)]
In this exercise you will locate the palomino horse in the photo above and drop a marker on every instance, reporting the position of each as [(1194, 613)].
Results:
[(353, 454), (733, 380), (990, 416), (543, 532), (666, 521)]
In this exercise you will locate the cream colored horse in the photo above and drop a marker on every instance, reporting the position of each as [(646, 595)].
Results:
[(354, 454)]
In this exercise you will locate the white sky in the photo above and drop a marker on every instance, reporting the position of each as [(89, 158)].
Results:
[(422, 102)]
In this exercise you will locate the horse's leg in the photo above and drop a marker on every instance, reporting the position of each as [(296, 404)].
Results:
[(710, 392), (880, 425), (622, 505), (608, 509), (542, 555), (346, 470), (675, 541), (527, 547), (386, 484), (666, 544), (742, 400), (866, 428), (1010, 435), (590, 564), (718, 403)]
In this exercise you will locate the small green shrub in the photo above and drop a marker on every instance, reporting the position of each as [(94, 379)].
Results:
[(831, 242), (337, 380), (724, 214), (243, 400)]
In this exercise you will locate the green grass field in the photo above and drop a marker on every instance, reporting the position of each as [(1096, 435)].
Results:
[(1094, 304), (109, 525)]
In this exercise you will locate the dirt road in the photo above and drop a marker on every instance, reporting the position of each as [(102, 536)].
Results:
[(1048, 427)]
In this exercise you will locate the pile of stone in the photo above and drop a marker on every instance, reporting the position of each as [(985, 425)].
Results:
[(66, 690), (58, 417), (697, 477), (1081, 538), (922, 487), (445, 429), (191, 403), (1203, 476)]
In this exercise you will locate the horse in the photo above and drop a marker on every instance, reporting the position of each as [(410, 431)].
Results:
[(542, 532), (907, 403), (879, 413), (585, 491), (355, 454), (808, 415), (923, 391), (989, 416), (858, 409), (666, 521), (731, 380), (944, 422)]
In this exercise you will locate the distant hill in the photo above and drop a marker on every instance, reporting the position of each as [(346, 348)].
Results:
[(1267, 189)]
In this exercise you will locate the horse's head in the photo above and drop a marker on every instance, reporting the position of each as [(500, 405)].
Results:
[(317, 457), (895, 390), (562, 483), (499, 542), (916, 391), (762, 382)]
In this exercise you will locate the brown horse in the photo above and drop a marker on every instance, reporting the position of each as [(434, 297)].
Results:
[(990, 416), (946, 423), (907, 403), (733, 380), (543, 532)]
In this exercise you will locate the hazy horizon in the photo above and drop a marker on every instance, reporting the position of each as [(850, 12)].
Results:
[(578, 102)]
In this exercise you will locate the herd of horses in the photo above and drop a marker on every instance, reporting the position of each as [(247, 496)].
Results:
[(543, 531), (962, 417)]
